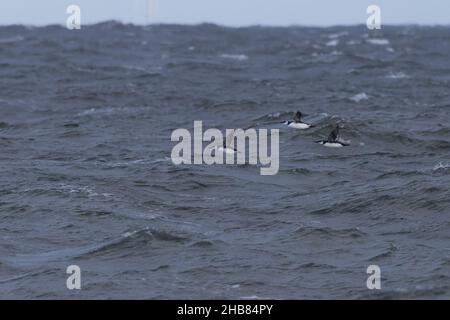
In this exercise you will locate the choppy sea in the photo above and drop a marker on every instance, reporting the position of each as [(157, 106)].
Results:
[(87, 179)]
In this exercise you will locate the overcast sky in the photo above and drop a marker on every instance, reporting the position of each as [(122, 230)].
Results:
[(227, 12)]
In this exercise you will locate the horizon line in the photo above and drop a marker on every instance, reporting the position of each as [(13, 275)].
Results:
[(89, 24)]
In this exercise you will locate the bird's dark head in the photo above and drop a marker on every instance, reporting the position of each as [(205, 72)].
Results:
[(298, 116)]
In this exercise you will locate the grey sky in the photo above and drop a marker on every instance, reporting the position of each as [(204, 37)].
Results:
[(227, 12)]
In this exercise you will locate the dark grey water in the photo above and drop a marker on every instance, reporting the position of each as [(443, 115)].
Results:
[(87, 179)]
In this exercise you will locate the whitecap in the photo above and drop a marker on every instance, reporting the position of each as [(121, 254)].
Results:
[(274, 115), (238, 57), (397, 75), (255, 297), (441, 166), (85, 190), (338, 35), (378, 41), (332, 43), (109, 111), (359, 97)]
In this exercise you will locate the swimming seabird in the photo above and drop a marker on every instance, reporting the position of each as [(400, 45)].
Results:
[(333, 140), (298, 123), (227, 147)]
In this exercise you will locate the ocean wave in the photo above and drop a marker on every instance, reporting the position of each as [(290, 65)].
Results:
[(138, 162), (397, 75), (13, 39), (327, 232), (238, 57), (82, 190), (332, 43), (379, 41), (441, 167), (338, 35), (359, 97), (108, 111), (124, 244)]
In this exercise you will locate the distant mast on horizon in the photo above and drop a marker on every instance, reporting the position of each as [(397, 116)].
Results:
[(150, 7)]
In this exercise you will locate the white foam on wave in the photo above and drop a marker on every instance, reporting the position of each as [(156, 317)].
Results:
[(338, 35), (397, 75), (441, 166), (106, 111), (255, 297), (238, 57), (332, 43), (379, 41), (86, 190), (359, 97), (274, 115)]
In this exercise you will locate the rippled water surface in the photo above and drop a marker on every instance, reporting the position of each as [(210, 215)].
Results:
[(87, 179)]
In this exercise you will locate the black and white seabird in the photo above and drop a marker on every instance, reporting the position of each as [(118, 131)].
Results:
[(333, 140), (226, 148), (298, 123)]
